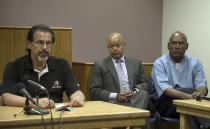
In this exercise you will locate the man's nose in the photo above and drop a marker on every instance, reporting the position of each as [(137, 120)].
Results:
[(115, 47), (44, 46), (177, 45)]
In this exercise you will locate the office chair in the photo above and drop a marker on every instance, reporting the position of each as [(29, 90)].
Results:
[(1, 103), (155, 115), (157, 118), (170, 119)]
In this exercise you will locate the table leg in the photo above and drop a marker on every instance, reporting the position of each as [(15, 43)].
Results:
[(184, 121)]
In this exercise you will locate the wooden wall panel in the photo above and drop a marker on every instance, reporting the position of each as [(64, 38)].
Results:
[(5, 56), (148, 70), (13, 44), (18, 43), (83, 72), (63, 44)]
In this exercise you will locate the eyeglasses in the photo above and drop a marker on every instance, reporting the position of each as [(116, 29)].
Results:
[(41, 43)]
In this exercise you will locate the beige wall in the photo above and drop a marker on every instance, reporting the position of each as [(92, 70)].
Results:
[(193, 18), (92, 20)]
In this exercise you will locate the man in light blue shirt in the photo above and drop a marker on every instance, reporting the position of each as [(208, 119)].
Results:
[(177, 76), (188, 73)]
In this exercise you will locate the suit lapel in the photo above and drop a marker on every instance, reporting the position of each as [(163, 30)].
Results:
[(111, 68), (129, 65)]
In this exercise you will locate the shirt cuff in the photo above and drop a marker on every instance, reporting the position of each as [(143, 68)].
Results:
[(113, 97), (136, 89)]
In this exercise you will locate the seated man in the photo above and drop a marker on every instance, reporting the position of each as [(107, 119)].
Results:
[(119, 79), (177, 76), (53, 73)]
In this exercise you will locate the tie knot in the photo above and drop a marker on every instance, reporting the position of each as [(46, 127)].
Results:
[(119, 61)]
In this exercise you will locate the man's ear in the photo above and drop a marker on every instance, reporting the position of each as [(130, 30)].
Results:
[(28, 44), (168, 46), (124, 43), (187, 46)]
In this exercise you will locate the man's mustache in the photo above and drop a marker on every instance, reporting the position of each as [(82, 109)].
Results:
[(44, 52)]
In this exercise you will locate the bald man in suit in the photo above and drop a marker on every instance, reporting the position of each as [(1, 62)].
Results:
[(126, 86)]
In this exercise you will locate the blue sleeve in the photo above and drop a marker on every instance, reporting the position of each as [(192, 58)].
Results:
[(160, 77), (199, 78)]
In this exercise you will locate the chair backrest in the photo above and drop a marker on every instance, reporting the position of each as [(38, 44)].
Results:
[(152, 91), (1, 103), (171, 119)]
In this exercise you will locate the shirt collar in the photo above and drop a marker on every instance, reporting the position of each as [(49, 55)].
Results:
[(45, 70), (50, 63), (40, 73), (29, 64), (182, 61), (121, 58)]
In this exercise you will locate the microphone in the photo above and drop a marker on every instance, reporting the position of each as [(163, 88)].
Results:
[(26, 80), (23, 91), (199, 98)]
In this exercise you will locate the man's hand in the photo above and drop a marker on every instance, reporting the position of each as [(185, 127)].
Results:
[(196, 94), (44, 103), (124, 96), (77, 99), (202, 90)]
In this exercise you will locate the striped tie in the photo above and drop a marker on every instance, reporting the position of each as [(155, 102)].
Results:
[(124, 86)]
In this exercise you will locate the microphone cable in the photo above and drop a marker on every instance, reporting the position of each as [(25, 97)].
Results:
[(61, 119), (51, 116), (43, 121)]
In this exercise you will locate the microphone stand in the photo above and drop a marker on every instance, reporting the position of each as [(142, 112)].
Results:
[(27, 109), (42, 111)]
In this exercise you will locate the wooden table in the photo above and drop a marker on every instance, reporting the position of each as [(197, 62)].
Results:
[(94, 114), (191, 107)]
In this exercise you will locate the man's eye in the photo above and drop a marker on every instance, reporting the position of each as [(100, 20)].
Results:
[(40, 42)]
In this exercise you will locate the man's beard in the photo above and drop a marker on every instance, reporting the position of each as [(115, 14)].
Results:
[(41, 59), (43, 56)]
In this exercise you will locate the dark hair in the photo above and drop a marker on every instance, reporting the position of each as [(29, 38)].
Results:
[(41, 27)]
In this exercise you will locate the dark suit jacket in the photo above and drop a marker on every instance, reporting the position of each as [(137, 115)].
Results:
[(104, 80)]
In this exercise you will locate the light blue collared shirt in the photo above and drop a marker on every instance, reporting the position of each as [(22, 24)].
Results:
[(188, 74)]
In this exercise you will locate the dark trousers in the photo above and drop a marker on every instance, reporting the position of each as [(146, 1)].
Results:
[(139, 100), (165, 104), (166, 108)]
